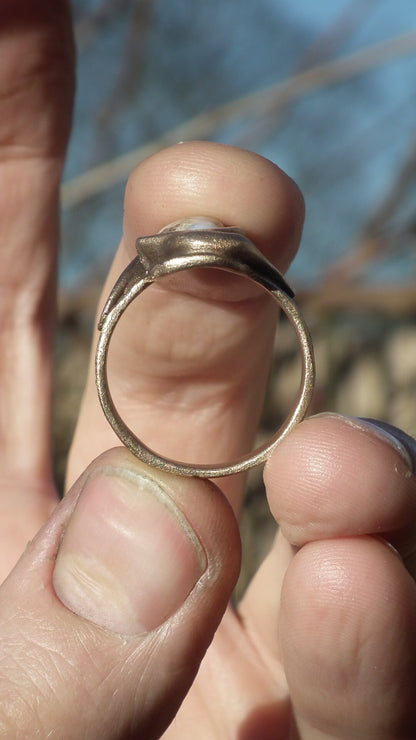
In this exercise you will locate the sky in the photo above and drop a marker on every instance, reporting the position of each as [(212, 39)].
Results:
[(142, 74)]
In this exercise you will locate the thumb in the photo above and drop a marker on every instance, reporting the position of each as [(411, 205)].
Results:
[(107, 615)]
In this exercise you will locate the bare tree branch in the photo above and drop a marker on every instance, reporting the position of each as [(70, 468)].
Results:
[(330, 41), (132, 59)]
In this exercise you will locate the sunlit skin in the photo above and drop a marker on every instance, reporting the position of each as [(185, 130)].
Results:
[(322, 645)]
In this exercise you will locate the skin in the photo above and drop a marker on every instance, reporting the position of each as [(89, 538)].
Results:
[(322, 645)]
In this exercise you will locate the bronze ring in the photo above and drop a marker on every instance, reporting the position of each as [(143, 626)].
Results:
[(181, 246)]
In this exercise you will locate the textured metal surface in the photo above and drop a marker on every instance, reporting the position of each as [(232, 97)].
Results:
[(175, 250)]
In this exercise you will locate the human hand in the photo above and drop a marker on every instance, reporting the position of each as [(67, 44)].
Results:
[(143, 563)]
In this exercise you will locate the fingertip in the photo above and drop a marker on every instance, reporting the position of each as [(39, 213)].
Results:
[(337, 476), (347, 638), (122, 514), (236, 186)]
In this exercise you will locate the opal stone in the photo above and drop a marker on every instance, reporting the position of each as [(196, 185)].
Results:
[(196, 223)]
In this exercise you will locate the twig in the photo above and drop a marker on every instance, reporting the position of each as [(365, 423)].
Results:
[(341, 29), (132, 61), (373, 242), (388, 206)]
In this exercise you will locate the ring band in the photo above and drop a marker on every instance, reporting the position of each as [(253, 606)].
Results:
[(179, 248)]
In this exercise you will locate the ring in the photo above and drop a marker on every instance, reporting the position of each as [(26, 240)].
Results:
[(199, 242)]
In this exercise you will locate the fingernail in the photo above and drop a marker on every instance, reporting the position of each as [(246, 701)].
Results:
[(129, 557), (379, 431), (388, 545), (384, 435)]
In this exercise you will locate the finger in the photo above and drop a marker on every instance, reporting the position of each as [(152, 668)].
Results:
[(36, 89), (331, 477), (106, 617), (337, 477), (405, 539), (344, 604), (189, 359), (348, 641)]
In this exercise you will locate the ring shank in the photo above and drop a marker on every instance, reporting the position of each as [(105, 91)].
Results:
[(143, 272)]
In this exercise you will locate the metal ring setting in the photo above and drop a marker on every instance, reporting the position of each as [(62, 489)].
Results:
[(176, 250)]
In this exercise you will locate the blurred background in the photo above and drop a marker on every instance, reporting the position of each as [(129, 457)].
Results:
[(327, 90)]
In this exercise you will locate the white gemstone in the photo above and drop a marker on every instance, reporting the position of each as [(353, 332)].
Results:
[(196, 223)]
